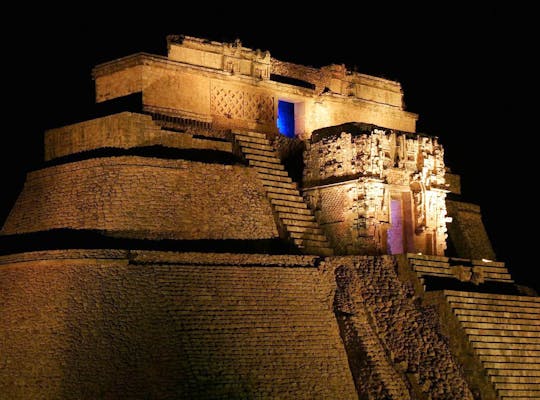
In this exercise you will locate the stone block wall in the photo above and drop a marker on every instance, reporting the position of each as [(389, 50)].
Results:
[(118, 324), (124, 130), (235, 101), (408, 332), (137, 197), (467, 231), (121, 81)]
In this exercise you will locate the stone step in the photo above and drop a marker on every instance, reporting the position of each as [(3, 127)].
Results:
[(251, 139), (515, 398), (506, 346), (492, 372), (285, 197), (496, 320), (515, 379), (287, 191), (258, 146), (533, 361), (508, 325), (513, 303), (504, 366), (297, 217), (498, 277), (267, 153), (425, 269), (291, 204), (495, 270), (256, 157), (305, 230), (489, 296), (268, 165), (269, 171), (299, 222), (496, 336), (530, 394), (441, 274), (314, 237), (496, 314), (429, 263), (297, 209), (533, 336), (518, 387), (275, 178), (490, 263), (486, 307), (259, 135), (507, 352), (282, 185)]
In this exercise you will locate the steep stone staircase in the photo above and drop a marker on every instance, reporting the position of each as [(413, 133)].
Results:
[(445, 267), (504, 331), (379, 362), (295, 216)]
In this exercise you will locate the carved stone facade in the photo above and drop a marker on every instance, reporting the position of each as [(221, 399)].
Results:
[(229, 57), (227, 85), (387, 185), (238, 104), (156, 254)]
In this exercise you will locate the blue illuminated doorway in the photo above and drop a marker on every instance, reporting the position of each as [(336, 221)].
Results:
[(285, 121)]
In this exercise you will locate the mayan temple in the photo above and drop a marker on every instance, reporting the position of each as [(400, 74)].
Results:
[(234, 226)]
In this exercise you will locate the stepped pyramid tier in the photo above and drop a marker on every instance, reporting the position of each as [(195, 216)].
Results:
[(230, 225), (294, 216)]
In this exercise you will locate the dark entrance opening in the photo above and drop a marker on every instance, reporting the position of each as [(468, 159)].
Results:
[(285, 121)]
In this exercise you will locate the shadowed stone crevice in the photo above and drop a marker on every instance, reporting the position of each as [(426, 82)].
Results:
[(94, 239), (156, 151)]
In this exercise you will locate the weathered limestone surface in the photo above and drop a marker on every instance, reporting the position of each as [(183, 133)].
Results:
[(337, 79), (119, 323), (475, 271), (409, 333), (296, 219), (139, 197), (354, 172), (235, 88), (89, 324), (124, 130), (467, 231), (502, 334)]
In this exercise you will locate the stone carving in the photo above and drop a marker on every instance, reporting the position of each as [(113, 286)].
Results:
[(384, 161), (239, 104), (227, 102), (462, 273), (475, 274)]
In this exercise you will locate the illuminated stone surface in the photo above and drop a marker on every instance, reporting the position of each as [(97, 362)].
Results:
[(188, 250), (352, 180)]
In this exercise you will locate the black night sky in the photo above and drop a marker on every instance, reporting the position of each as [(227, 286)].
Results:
[(466, 72)]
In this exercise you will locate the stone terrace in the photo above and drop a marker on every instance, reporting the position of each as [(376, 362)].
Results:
[(505, 334), (119, 324)]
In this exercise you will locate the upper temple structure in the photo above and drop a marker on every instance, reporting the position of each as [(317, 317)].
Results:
[(230, 225)]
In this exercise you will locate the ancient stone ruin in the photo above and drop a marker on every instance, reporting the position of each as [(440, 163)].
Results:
[(232, 226)]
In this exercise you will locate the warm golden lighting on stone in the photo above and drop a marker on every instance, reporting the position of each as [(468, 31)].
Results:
[(381, 167), (255, 229)]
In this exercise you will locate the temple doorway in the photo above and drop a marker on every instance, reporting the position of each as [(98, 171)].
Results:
[(400, 234), (395, 243)]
